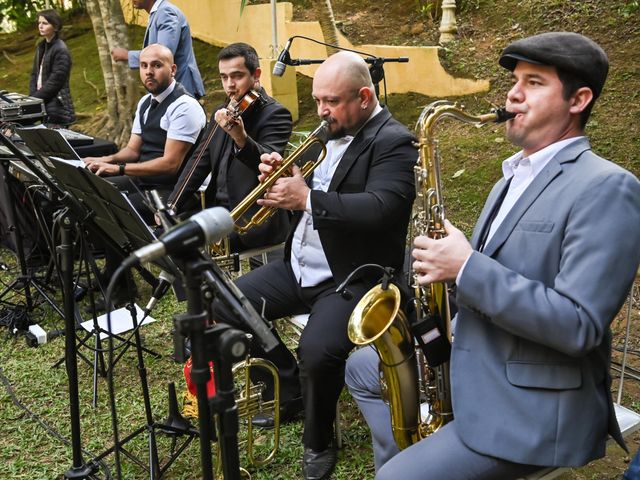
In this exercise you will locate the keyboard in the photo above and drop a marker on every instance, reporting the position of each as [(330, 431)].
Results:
[(75, 139)]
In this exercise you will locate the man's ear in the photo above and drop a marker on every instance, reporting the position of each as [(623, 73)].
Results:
[(174, 69), (580, 99), (257, 73), (365, 94)]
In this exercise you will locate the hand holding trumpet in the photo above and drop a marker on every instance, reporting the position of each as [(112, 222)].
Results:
[(288, 192)]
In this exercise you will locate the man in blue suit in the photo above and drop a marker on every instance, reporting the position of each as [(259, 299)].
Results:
[(169, 27), (549, 265)]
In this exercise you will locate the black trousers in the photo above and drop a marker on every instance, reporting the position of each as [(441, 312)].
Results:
[(323, 347)]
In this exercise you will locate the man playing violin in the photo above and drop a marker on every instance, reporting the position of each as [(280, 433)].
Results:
[(250, 124)]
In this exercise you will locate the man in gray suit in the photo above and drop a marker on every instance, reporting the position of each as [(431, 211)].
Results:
[(169, 27), (549, 264)]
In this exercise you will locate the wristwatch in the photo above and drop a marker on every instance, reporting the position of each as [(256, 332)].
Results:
[(121, 169)]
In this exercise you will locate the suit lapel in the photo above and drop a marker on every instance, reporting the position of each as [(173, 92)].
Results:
[(152, 16), (533, 191), (361, 141)]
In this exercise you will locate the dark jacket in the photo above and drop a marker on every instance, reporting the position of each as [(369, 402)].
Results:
[(363, 216), (268, 125), (56, 69)]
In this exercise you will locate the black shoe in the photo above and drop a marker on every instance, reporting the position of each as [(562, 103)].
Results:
[(318, 465), (289, 411)]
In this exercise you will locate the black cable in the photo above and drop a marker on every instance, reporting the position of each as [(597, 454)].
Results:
[(48, 428)]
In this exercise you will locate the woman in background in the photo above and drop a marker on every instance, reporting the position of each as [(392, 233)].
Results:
[(51, 71)]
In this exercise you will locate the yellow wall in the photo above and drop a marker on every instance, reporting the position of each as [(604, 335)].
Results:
[(219, 22)]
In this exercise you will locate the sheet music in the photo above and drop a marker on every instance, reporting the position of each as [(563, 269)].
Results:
[(121, 321), (72, 162)]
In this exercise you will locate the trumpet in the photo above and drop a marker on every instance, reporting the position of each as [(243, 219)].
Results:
[(318, 136)]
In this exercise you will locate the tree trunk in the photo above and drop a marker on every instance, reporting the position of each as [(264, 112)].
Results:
[(328, 25), (111, 31)]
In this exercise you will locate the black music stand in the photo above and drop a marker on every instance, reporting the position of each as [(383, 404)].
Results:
[(102, 209), (27, 281), (112, 213), (79, 468)]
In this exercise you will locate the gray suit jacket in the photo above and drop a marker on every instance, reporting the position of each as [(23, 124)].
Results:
[(169, 27), (530, 361)]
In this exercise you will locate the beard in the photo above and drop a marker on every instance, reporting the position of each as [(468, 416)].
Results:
[(156, 87), (514, 135), (334, 132)]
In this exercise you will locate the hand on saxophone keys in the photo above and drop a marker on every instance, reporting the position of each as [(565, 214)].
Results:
[(440, 260)]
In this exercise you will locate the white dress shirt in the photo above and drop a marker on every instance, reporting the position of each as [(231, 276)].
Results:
[(522, 171), (182, 121), (308, 260)]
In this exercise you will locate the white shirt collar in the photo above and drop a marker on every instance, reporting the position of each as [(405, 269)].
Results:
[(537, 160)]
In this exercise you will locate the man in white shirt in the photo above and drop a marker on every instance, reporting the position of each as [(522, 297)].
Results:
[(167, 125), (549, 264)]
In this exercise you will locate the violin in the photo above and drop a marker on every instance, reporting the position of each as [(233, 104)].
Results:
[(236, 109)]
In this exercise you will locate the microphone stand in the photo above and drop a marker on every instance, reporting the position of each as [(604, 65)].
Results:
[(376, 69), (224, 346)]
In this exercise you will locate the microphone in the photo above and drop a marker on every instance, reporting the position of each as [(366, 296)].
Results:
[(166, 280), (284, 59), (207, 226)]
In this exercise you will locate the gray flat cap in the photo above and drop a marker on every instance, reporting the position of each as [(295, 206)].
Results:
[(567, 51)]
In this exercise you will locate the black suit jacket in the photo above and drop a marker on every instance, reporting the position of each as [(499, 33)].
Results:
[(268, 125), (363, 217)]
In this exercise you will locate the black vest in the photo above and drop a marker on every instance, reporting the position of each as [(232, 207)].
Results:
[(154, 138)]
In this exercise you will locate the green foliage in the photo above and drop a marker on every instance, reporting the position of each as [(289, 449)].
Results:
[(630, 8), (467, 5), (427, 9), (20, 12)]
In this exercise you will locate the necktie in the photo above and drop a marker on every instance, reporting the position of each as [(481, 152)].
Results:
[(496, 208), (154, 104)]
